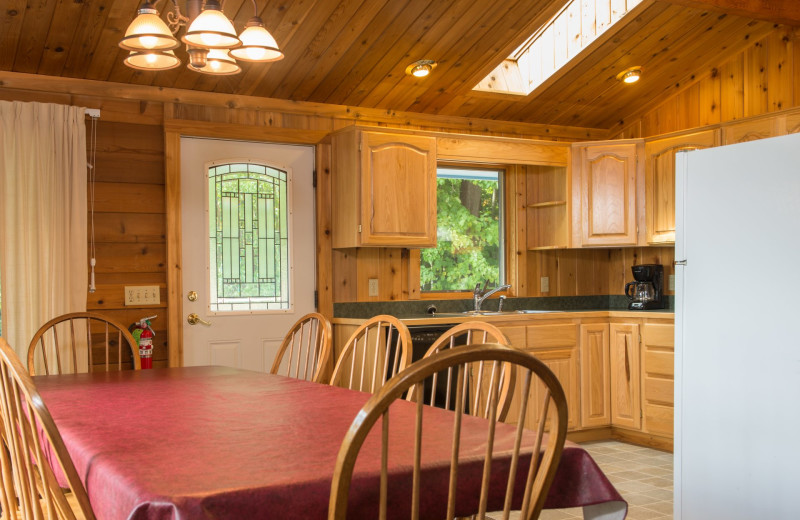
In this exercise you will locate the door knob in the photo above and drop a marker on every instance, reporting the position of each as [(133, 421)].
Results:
[(194, 319)]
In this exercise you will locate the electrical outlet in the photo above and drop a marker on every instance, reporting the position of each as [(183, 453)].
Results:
[(544, 285), (373, 287), (671, 283), (142, 295)]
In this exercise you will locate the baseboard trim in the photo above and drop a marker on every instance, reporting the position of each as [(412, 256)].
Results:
[(621, 434)]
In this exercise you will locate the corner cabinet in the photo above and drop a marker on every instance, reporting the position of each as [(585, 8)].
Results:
[(608, 190), (626, 408), (384, 189), (660, 180), (595, 375)]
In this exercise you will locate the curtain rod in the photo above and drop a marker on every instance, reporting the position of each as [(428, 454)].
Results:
[(93, 112)]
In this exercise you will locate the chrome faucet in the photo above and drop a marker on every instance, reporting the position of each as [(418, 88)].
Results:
[(481, 294)]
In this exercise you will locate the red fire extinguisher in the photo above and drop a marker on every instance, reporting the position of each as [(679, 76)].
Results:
[(143, 333)]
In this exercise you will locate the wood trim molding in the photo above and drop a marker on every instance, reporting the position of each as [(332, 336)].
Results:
[(174, 129), (374, 116), (172, 181)]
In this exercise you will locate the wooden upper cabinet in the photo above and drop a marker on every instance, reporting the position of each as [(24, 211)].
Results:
[(384, 189), (660, 181), (751, 130), (607, 183)]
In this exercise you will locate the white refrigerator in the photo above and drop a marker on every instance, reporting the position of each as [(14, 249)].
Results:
[(737, 332)]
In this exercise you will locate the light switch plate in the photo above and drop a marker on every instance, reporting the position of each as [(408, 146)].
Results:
[(142, 295), (545, 284), (373, 287)]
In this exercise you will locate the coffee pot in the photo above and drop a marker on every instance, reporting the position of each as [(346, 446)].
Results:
[(640, 291), (645, 292)]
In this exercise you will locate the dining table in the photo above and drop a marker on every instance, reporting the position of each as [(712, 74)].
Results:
[(225, 443)]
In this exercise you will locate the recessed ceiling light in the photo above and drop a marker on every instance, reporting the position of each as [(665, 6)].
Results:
[(630, 75), (421, 68)]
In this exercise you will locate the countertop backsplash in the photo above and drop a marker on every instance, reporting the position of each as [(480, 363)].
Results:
[(418, 308)]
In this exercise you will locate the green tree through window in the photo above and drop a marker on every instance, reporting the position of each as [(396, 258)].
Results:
[(469, 246)]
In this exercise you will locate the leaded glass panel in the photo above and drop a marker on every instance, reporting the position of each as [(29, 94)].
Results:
[(248, 238)]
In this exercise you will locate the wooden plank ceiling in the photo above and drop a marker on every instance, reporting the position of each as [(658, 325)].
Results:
[(355, 52)]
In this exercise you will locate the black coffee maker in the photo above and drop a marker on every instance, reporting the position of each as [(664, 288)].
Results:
[(647, 291)]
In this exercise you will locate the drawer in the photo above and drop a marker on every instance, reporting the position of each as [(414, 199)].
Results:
[(549, 336), (659, 363)]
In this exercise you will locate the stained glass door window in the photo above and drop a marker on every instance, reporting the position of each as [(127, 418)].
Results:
[(248, 224)]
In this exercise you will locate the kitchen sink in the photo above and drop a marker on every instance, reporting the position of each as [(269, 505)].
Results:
[(486, 313)]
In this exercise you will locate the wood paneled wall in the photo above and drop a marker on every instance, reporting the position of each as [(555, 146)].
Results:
[(131, 210), (585, 272), (763, 78), (130, 224), (129, 219)]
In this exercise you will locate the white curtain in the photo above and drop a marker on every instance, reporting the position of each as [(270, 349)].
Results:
[(43, 213)]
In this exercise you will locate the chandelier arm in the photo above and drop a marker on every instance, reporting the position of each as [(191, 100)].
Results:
[(176, 19)]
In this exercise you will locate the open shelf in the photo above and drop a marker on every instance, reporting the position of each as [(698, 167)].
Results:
[(547, 212)]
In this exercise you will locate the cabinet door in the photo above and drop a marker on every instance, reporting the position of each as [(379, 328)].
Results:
[(660, 181), (556, 345), (658, 402), (625, 376), (608, 194), (595, 376), (564, 364), (752, 130), (398, 190)]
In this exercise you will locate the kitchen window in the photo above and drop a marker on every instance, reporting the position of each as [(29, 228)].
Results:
[(470, 242)]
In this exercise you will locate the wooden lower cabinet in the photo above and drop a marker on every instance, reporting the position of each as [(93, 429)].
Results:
[(658, 377), (626, 410), (556, 345), (595, 375)]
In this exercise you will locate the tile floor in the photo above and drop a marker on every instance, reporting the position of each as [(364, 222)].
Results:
[(642, 476)]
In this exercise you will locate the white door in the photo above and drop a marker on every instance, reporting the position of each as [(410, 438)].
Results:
[(248, 253)]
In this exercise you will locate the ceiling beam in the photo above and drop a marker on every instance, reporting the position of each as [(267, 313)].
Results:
[(779, 11)]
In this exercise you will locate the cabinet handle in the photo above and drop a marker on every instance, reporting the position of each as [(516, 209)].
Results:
[(627, 362)]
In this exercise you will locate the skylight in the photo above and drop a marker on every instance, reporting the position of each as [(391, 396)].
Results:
[(578, 24)]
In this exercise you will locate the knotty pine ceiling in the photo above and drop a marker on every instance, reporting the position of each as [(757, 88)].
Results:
[(355, 52)]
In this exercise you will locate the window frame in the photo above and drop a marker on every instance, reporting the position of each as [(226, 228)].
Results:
[(506, 179)]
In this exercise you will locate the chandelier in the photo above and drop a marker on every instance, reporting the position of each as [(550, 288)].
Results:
[(210, 38)]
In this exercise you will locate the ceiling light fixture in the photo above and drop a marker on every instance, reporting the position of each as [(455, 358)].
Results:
[(630, 75), (210, 38), (421, 68)]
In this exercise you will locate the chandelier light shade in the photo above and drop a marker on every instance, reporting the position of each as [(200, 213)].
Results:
[(211, 41), (152, 60), (257, 43), (148, 32), (218, 62), (212, 29)]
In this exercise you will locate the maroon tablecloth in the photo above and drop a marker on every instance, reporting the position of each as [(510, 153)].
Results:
[(214, 442)]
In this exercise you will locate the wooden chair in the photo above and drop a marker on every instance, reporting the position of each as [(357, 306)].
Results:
[(471, 333), (309, 346), (109, 341), (377, 350), (540, 473), (30, 488)]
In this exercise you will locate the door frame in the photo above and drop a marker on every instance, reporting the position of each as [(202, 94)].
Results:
[(174, 129)]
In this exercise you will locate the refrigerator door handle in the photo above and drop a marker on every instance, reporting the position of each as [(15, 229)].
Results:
[(679, 262)]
